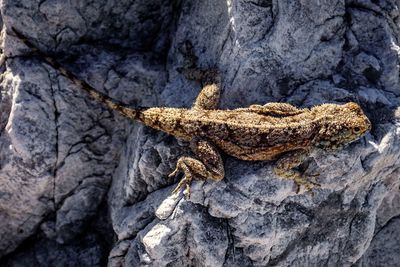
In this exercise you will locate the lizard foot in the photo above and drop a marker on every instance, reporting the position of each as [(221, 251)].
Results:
[(308, 185), (211, 167), (185, 181)]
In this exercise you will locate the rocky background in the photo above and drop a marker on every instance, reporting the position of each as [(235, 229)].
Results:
[(82, 186)]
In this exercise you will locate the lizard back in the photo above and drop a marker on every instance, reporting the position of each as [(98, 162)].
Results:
[(243, 133)]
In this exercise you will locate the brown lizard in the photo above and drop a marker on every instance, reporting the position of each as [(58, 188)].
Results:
[(274, 131)]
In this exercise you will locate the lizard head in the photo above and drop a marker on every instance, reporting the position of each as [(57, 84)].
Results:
[(340, 124)]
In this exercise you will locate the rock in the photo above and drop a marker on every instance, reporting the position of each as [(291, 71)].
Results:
[(190, 237), (385, 246), (384, 249), (83, 186), (89, 251)]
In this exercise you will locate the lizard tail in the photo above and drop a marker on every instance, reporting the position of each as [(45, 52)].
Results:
[(106, 100)]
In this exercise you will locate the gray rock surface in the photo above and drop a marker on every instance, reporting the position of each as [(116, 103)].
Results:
[(82, 186), (384, 249)]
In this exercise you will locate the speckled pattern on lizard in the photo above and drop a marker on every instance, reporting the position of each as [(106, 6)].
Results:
[(274, 131)]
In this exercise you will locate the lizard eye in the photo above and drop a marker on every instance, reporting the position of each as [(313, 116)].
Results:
[(356, 130)]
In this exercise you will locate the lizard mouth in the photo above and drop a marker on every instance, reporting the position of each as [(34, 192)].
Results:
[(340, 142)]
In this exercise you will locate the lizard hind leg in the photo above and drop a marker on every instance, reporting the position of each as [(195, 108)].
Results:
[(284, 167), (209, 165), (209, 95)]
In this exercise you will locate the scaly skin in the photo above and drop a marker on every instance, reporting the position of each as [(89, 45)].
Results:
[(275, 131), (248, 134)]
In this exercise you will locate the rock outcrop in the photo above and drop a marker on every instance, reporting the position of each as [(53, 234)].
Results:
[(82, 186)]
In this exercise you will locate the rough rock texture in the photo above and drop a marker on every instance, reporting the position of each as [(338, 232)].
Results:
[(82, 186)]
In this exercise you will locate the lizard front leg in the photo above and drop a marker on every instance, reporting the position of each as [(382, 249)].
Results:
[(284, 167), (208, 166)]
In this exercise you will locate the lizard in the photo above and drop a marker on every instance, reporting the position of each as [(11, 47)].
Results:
[(275, 131)]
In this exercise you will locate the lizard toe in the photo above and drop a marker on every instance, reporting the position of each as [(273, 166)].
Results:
[(186, 181), (178, 187), (173, 173)]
